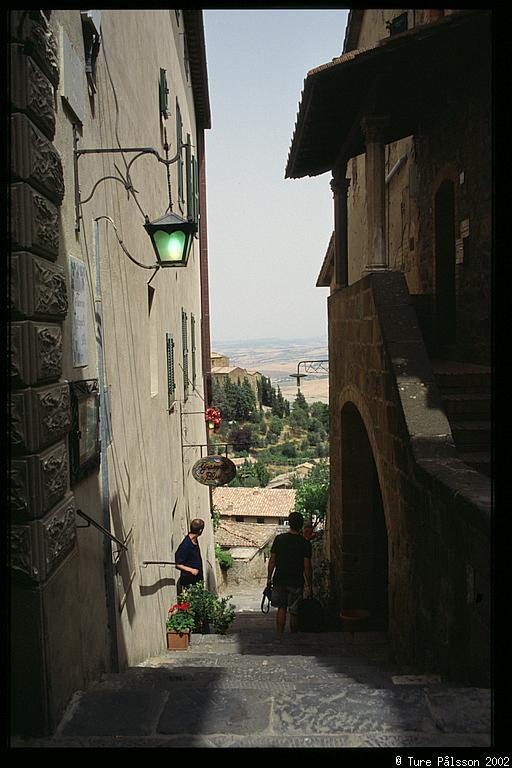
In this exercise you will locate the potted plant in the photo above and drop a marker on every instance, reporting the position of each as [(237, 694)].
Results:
[(209, 610), (180, 622), (201, 605), (223, 614)]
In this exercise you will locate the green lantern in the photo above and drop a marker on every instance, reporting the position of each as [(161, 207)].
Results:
[(172, 239)]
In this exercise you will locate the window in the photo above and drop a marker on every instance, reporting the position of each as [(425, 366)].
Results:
[(163, 91), (171, 381), (192, 183), (179, 142), (398, 24), (260, 519), (193, 345), (91, 22), (184, 341), (153, 343), (240, 519)]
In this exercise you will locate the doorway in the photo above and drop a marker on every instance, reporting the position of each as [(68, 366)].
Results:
[(445, 288), (364, 537)]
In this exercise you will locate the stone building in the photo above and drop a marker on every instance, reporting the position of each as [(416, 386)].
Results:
[(249, 545), (221, 371), (108, 351), (402, 121), (263, 506)]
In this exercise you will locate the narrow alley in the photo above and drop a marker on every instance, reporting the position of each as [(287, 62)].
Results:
[(246, 690)]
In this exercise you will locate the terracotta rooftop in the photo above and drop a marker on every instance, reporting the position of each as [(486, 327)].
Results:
[(254, 502), (231, 534)]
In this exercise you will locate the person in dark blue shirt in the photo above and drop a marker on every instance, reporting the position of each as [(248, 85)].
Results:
[(188, 556)]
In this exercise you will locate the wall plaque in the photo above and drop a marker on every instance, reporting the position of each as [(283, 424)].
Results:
[(78, 280)]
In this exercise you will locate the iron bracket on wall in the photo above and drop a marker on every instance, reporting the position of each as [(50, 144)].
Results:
[(91, 521), (311, 366)]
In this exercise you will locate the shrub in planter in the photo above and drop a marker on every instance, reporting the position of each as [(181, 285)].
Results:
[(209, 610)]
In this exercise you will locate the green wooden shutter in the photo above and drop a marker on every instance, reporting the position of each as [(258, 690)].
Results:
[(193, 345), (179, 141), (195, 188), (163, 90), (190, 179), (184, 340), (171, 381)]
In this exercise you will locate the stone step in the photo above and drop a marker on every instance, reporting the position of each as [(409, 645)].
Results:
[(462, 378), (480, 462), (471, 434), (474, 404)]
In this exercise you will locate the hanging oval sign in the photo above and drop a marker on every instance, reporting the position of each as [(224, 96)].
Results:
[(214, 470)]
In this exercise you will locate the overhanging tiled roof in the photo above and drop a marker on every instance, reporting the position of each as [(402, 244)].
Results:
[(325, 276), (194, 31), (409, 78), (254, 502), (230, 534)]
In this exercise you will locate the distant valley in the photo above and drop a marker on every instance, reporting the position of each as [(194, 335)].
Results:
[(277, 359)]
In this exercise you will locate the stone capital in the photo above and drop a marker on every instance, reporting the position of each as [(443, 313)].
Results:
[(339, 185), (372, 127)]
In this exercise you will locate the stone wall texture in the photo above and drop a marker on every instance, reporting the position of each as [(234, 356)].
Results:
[(43, 533), (436, 509), (448, 151)]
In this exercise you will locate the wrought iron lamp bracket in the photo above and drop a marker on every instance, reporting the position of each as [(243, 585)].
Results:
[(125, 180)]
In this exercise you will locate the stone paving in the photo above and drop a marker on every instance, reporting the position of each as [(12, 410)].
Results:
[(245, 689)]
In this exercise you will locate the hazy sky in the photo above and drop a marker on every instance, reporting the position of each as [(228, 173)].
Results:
[(267, 236)]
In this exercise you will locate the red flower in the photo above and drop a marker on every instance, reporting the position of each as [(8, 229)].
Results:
[(184, 606)]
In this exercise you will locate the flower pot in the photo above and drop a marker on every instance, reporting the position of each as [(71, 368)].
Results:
[(178, 641)]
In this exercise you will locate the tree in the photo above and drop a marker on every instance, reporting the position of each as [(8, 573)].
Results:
[(320, 411), (241, 438), (313, 492), (278, 402), (262, 474), (300, 402), (266, 391)]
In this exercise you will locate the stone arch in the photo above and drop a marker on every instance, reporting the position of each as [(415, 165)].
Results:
[(364, 530)]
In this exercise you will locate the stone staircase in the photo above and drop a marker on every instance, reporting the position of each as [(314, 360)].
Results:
[(244, 689), (466, 393)]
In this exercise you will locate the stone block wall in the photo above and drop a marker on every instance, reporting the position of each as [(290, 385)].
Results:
[(45, 665), (436, 509), (448, 150)]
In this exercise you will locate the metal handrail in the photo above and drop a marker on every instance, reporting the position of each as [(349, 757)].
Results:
[(145, 563), (99, 527)]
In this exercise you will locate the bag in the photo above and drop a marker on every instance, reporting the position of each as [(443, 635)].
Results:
[(310, 615), (267, 595)]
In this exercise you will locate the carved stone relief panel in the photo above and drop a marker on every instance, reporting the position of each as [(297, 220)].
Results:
[(39, 417), (33, 30), (39, 481), (38, 288), (35, 159), (31, 91), (34, 222), (39, 546), (36, 352)]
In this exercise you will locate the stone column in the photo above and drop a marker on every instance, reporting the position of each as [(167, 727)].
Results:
[(375, 193), (339, 186)]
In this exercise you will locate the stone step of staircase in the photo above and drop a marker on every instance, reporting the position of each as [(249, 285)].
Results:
[(467, 405), (453, 377), (480, 462), (471, 435), (245, 689)]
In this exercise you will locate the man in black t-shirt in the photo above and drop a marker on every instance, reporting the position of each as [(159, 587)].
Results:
[(290, 566)]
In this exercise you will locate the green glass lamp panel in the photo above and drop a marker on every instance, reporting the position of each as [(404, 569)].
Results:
[(170, 247)]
